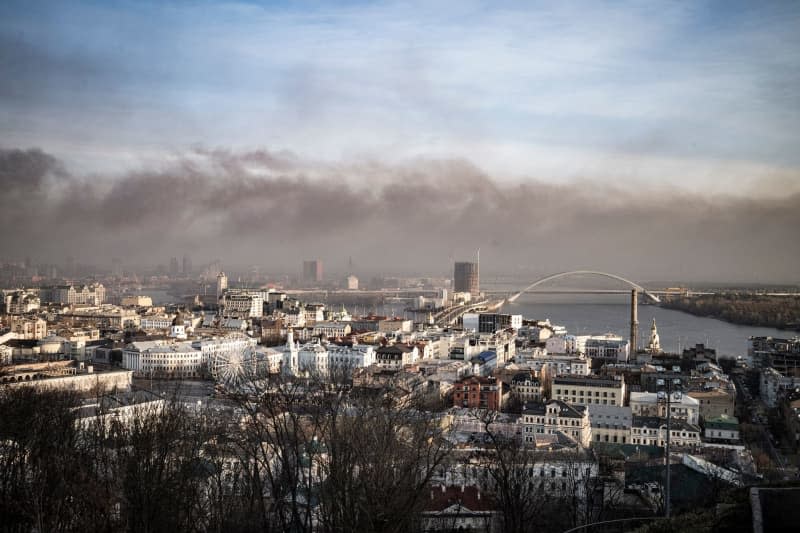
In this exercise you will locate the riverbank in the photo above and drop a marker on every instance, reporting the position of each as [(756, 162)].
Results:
[(779, 312)]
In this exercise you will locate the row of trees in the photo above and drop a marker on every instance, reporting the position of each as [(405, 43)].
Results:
[(752, 310), (286, 457)]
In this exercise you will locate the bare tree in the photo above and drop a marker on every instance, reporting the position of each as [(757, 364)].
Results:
[(381, 459)]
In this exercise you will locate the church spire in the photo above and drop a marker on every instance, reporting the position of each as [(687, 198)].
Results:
[(654, 346)]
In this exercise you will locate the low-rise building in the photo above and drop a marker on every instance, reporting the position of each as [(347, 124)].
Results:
[(6, 355), (556, 417), (490, 322), (772, 384), (477, 392), (181, 359), (460, 508), (610, 423), (608, 348), (28, 328), (722, 428), (94, 294), (137, 300), (242, 304), (331, 329), (714, 403), (526, 387), (396, 356), (21, 301), (484, 363), (681, 406), (586, 390), (66, 375), (155, 322), (652, 431)]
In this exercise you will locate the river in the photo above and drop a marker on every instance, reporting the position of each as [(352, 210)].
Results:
[(587, 314)]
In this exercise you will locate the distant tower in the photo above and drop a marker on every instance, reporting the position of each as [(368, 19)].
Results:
[(634, 320), (312, 271), (116, 267), (654, 346), (187, 265), (466, 278), (173, 267), (222, 284)]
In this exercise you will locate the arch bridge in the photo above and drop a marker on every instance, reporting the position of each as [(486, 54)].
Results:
[(632, 284)]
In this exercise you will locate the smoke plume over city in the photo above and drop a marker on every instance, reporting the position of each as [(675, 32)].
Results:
[(656, 140), (275, 208)]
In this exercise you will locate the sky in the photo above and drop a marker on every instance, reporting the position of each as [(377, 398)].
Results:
[(608, 118)]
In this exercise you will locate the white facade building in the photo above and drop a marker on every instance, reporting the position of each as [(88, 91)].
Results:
[(610, 423), (682, 406), (180, 359), (553, 418), (652, 431), (242, 304)]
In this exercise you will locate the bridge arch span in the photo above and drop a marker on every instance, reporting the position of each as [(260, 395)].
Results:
[(582, 272)]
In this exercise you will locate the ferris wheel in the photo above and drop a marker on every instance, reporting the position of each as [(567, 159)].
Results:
[(233, 368)]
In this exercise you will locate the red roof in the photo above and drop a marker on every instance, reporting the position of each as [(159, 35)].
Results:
[(468, 497)]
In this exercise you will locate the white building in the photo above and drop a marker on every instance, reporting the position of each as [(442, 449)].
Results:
[(652, 431), (6, 354), (163, 359), (19, 302), (242, 304), (553, 418), (396, 356), (312, 359), (331, 329), (550, 366), (607, 347), (724, 428), (610, 423), (28, 328), (94, 294), (222, 284), (321, 360), (347, 357), (137, 301), (772, 382), (180, 359), (682, 406), (586, 390), (526, 387), (313, 313), (155, 322)]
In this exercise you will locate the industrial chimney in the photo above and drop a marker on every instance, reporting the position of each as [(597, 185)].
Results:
[(634, 320)]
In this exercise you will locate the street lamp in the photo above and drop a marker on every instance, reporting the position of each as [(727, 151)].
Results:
[(667, 396)]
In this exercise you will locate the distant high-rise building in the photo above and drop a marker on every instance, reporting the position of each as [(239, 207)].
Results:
[(466, 277), (187, 265), (69, 267), (116, 267), (312, 271), (173, 266), (222, 284)]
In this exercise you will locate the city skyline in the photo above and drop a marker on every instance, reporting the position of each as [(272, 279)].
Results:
[(657, 140)]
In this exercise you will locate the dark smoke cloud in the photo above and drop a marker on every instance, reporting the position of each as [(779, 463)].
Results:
[(274, 209)]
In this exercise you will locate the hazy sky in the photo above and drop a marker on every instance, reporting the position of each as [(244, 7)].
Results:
[(687, 107)]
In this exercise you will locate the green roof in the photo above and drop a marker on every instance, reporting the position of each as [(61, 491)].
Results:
[(722, 422)]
